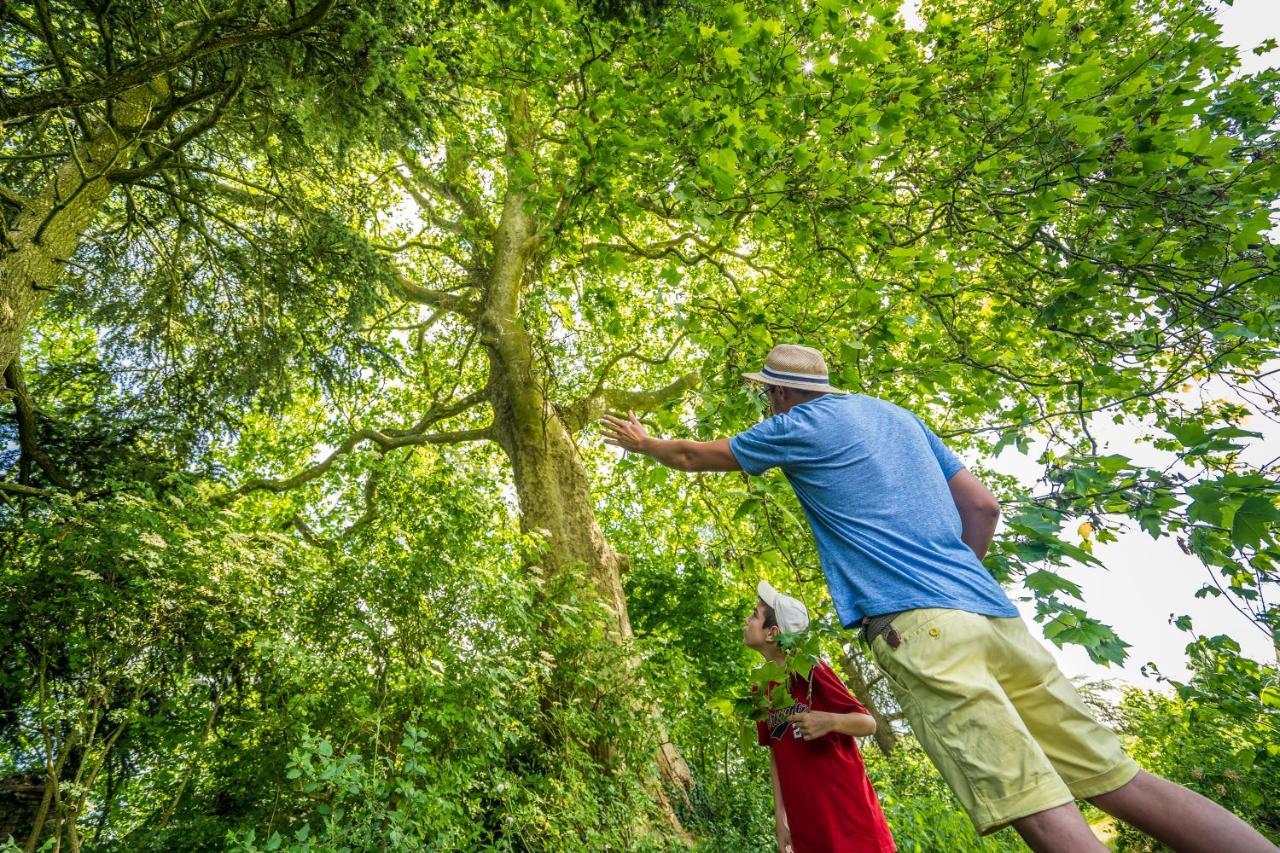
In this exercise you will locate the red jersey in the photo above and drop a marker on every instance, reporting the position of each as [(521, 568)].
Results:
[(830, 804)]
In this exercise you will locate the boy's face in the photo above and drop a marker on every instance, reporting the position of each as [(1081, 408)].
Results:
[(754, 634)]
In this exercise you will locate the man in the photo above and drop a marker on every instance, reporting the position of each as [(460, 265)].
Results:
[(901, 528), (823, 801)]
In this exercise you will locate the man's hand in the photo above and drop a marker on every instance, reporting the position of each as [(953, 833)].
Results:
[(627, 433), (681, 454), (814, 724)]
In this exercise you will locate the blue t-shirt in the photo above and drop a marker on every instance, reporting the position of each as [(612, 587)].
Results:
[(872, 479)]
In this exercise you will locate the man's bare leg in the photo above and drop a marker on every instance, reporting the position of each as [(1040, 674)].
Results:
[(1061, 828), (1180, 818)]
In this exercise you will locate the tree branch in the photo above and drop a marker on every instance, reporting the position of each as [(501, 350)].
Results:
[(587, 409), (370, 507), (448, 190), (28, 437), (386, 440), (208, 120), (439, 412), (385, 444), (135, 75), (19, 489), (435, 298)]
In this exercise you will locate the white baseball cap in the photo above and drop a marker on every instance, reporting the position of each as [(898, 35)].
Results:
[(791, 615)]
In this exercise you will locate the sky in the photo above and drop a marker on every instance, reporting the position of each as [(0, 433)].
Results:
[(1145, 582)]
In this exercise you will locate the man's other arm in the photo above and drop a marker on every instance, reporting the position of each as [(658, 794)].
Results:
[(979, 511), (681, 454)]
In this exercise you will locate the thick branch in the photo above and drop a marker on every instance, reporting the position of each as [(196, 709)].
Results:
[(590, 408), (208, 120), (439, 412), (468, 204), (647, 401), (135, 75), (435, 298), (19, 489), (386, 441), (370, 507)]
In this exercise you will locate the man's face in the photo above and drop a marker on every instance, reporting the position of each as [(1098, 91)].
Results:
[(754, 634), (774, 399)]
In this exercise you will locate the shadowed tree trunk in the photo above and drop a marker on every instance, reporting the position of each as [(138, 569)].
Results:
[(886, 738)]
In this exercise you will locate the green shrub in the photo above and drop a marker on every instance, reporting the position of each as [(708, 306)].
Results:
[(1216, 734)]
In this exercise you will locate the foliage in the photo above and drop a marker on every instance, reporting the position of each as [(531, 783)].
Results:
[(390, 699), (921, 810), (1217, 733)]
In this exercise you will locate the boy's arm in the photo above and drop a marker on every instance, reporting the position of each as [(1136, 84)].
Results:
[(779, 811), (815, 724), (684, 455)]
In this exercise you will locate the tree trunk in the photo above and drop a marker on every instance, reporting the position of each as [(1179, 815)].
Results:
[(48, 231), (886, 738), (551, 481)]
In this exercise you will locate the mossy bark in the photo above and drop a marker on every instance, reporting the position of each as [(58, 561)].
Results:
[(48, 231), (550, 478)]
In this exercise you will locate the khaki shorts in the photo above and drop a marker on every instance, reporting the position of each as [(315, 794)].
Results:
[(1002, 724)]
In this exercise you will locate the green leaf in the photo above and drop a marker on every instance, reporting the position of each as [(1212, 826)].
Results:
[(730, 55), (747, 737), (1046, 582), (1252, 522), (1041, 38), (747, 507)]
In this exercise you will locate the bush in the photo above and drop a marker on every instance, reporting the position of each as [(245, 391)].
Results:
[(1216, 734)]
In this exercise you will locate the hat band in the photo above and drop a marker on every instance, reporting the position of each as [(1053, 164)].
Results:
[(793, 377)]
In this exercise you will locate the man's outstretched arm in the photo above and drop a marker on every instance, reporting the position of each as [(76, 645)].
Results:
[(979, 511), (629, 434)]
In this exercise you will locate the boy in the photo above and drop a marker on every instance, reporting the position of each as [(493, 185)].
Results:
[(823, 800)]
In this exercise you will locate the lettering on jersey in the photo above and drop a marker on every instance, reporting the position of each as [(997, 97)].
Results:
[(777, 723)]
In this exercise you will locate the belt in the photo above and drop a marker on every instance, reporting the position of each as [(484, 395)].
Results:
[(881, 626)]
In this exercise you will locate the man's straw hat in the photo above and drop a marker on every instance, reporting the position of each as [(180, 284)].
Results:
[(793, 366)]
